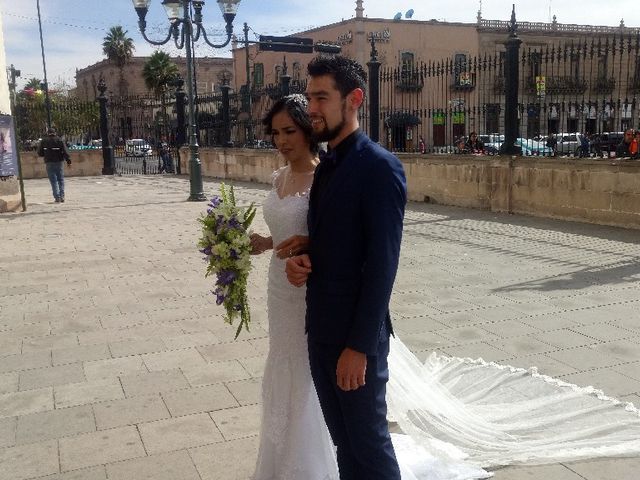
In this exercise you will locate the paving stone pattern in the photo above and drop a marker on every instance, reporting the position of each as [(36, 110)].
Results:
[(115, 362)]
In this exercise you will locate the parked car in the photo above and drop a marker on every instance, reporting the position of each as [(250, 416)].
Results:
[(533, 147), (528, 146), (567, 143), (492, 142), (137, 147), (603, 143)]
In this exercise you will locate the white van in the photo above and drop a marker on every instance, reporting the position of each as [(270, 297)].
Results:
[(137, 147)]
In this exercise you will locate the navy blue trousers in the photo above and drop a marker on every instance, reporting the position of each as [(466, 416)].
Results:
[(357, 420)]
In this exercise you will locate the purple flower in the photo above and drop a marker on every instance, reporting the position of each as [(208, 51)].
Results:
[(238, 307), (216, 201), (206, 251), (220, 296), (233, 254), (226, 277), (234, 223)]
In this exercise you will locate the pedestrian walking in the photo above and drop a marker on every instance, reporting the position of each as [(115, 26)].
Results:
[(584, 145), (54, 151), (165, 156)]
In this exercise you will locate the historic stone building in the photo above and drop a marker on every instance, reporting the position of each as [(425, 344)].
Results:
[(210, 73), (134, 110), (443, 80)]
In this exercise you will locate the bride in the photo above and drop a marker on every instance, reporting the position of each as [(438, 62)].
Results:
[(458, 415)]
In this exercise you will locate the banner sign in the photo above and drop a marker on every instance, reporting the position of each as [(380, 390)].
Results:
[(8, 150)]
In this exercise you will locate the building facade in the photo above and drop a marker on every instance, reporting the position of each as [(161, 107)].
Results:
[(135, 112), (210, 74), (442, 80)]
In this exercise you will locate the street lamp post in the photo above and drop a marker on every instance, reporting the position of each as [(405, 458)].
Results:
[(44, 84), (512, 69), (184, 30)]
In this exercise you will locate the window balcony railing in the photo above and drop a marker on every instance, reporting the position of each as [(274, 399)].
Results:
[(410, 82), (558, 85), (464, 81), (603, 85)]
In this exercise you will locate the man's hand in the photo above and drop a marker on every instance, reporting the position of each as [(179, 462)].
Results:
[(292, 246), (298, 270), (351, 369)]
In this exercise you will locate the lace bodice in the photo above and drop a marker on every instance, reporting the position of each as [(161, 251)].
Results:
[(286, 216)]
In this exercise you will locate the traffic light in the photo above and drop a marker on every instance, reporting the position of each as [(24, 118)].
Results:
[(285, 44), (327, 48)]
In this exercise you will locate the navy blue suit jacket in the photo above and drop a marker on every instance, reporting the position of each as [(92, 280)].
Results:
[(355, 231)]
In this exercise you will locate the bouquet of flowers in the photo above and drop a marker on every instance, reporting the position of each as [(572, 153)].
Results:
[(226, 246)]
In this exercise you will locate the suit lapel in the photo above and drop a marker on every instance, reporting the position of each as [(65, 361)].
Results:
[(344, 171)]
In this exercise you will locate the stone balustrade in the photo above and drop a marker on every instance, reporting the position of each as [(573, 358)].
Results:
[(84, 163), (601, 191)]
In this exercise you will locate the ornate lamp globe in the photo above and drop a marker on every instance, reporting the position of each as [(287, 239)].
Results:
[(173, 9)]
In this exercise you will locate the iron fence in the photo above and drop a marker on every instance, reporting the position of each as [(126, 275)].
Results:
[(587, 87), (78, 121)]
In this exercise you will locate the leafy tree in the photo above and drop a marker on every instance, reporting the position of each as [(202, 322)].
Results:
[(158, 72), (78, 121), (119, 49)]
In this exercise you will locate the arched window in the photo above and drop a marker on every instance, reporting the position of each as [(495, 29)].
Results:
[(258, 75)]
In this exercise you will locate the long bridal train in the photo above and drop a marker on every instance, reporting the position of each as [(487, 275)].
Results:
[(490, 414), (458, 415)]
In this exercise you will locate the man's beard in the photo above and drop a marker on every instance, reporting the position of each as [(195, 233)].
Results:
[(327, 134)]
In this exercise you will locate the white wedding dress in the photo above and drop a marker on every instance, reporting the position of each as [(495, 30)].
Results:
[(458, 415), (294, 440)]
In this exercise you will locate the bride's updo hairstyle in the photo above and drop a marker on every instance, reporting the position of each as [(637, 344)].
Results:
[(296, 107)]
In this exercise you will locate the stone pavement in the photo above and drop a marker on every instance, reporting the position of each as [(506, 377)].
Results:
[(115, 363)]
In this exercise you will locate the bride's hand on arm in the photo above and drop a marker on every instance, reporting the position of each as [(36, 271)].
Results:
[(292, 246), (298, 269), (260, 244)]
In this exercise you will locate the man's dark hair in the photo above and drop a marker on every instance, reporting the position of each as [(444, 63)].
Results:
[(296, 107), (348, 74)]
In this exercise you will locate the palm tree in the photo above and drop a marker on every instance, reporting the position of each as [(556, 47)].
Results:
[(33, 83), (119, 49), (158, 72)]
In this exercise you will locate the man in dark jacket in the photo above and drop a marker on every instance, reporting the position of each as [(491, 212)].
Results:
[(54, 151), (356, 208), (623, 149)]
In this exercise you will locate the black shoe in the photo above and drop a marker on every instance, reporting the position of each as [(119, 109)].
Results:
[(58, 200), (62, 199)]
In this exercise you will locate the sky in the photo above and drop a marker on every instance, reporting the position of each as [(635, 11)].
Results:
[(73, 30)]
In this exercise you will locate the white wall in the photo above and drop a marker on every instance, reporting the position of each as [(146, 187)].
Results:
[(5, 105)]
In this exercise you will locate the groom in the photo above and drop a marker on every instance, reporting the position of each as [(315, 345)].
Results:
[(356, 208)]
